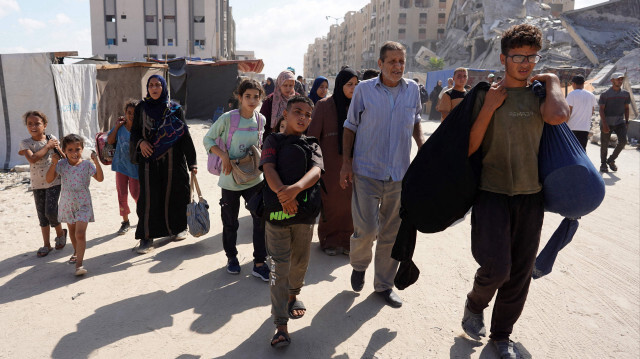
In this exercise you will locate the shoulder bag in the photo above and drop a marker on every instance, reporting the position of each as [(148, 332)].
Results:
[(197, 212)]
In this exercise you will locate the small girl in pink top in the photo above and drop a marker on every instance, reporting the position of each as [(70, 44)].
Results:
[(75, 207)]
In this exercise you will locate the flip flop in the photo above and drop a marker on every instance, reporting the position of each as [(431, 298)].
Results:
[(72, 260), (43, 251), (62, 240), (296, 305), (282, 343)]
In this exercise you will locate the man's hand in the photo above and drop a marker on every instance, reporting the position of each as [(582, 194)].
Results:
[(346, 174), (605, 127), (146, 148), (495, 96)]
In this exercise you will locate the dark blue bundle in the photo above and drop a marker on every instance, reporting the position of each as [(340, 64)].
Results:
[(572, 186)]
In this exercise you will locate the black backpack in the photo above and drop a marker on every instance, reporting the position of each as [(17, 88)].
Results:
[(293, 162)]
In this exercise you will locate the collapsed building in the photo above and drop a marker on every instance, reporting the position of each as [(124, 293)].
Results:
[(586, 37)]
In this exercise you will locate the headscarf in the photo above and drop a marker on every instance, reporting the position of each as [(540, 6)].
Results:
[(279, 103), (341, 101), (166, 128), (269, 86), (313, 94), (155, 108)]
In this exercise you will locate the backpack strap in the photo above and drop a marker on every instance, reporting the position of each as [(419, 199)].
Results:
[(234, 122), (260, 119)]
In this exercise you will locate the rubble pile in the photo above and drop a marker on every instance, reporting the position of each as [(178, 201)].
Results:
[(580, 38)]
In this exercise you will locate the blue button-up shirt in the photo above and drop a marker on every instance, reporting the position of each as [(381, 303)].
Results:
[(383, 128)]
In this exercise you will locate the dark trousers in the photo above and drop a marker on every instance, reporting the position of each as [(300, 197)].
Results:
[(505, 233), (621, 132), (229, 209), (47, 205), (583, 138)]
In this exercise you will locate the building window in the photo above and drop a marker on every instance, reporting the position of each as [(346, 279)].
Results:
[(441, 16), (402, 19), (110, 18), (169, 17), (422, 34), (199, 43), (112, 42), (405, 4), (198, 19), (124, 39), (169, 42), (402, 34), (112, 58), (149, 18), (423, 18), (422, 3), (123, 17), (152, 42)]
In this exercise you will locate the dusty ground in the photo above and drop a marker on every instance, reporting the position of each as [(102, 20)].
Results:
[(179, 302)]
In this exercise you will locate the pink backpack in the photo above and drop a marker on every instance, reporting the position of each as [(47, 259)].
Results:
[(104, 149), (214, 163)]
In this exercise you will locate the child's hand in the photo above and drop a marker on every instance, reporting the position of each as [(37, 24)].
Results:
[(226, 164), (290, 207), (287, 193), (52, 143), (55, 158), (94, 156)]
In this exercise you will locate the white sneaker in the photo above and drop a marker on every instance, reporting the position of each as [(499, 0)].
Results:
[(80, 271), (180, 236)]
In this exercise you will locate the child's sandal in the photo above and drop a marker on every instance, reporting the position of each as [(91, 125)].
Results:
[(72, 260)]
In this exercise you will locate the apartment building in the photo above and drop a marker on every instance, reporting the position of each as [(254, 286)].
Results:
[(357, 40), (132, 30)]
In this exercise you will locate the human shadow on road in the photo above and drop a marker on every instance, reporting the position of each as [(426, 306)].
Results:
[(610, 179), (216, 296), (462, 347), (47, 276), (321, 266), (332, 325)]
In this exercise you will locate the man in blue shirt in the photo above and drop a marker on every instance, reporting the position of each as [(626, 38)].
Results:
[(385, 114)]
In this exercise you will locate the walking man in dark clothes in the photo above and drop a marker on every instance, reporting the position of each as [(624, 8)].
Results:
[(508, 212)]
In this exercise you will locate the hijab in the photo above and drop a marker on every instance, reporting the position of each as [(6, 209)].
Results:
[(269, 86), (166, 128), (155, 108), (279, 103), (313, 94), (341, 101)]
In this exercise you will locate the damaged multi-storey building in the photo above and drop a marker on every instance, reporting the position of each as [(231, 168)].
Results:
[(586, 37)]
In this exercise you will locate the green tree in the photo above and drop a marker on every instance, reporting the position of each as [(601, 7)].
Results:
[(436, 64)]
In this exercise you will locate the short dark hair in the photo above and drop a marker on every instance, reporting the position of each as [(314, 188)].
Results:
[(35, 113), (521, 35), (369, 74), (250, 84), (299, 77), (71, 138), (391, 46), (130, 103), (298, 99)]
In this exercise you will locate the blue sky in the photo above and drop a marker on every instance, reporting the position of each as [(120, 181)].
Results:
[(279, 31)]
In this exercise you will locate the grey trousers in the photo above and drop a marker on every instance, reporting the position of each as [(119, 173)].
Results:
[(288, 248), (375, 207)]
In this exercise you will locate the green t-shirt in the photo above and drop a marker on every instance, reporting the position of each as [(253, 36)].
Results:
[(510, 145), (240, 143)]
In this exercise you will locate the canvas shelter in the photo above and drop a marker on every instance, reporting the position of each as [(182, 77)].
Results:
[(203, 87), (66, 94), (117, 83)]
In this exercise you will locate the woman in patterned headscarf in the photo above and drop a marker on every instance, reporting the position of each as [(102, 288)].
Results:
[(162, 147), (275, 104), (335, 226)]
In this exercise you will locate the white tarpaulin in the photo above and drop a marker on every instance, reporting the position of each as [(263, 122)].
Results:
[(77, 100), (25, 84)]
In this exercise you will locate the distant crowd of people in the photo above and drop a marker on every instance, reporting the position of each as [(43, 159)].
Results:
[(337, 161)]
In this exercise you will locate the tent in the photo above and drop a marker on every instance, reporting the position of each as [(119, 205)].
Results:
[(203, 87), (116, 83), (64, 93)]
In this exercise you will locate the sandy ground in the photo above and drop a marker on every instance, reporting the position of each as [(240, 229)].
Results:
[(179, 302)]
